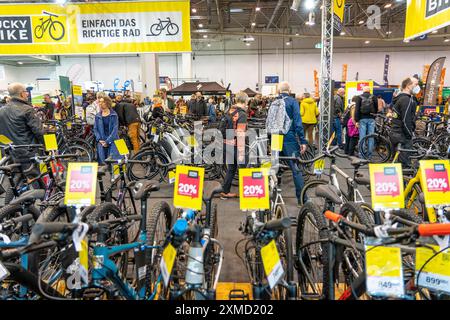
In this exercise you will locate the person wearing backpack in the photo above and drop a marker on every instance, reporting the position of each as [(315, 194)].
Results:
[(284, 118), (233, 126), (365, 111)]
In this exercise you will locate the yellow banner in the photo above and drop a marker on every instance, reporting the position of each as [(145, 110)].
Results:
[(386, 186), (338, 9), (424, 16), (100, 27)]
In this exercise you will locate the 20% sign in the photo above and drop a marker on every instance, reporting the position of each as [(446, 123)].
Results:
[(188, 188), (253, 189), (434, 180), (386, 186)]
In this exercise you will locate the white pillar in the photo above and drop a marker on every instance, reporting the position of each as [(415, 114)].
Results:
[(186, 64), (149, 73)]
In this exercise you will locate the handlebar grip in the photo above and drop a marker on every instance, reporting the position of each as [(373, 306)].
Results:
[(434, 229), (52, 227), (278, 224), (24, 218), (333, 216)]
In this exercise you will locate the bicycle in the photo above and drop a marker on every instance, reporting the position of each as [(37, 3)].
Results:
[(171, 28), (55, 29)]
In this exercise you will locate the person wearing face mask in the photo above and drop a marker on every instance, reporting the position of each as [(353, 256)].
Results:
[(404, 117)]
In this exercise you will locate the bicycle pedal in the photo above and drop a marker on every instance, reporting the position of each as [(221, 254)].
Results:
[(240, 294)]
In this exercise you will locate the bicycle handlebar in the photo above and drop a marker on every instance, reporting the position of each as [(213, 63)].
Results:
[(13, 222)]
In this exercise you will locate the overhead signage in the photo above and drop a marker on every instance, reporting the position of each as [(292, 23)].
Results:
[(424, 16), (338, 10), (355, 88), (98, 27)]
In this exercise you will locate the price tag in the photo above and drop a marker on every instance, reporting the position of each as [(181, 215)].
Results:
[(50, 142), (272, 263), (183, 110), (384, 271), (166, 265), (276, 142), (435, 182), (192, 142), (188, 188), (172, 176), (319, 166), (153, 131), (4, 273), (386, 186), (5, 140), (155, 138), (69, 125), (122, 147), (81, 184), (253, 189), (435, 274)]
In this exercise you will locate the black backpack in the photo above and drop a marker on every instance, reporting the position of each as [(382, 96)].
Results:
[(367, 105), (227, 122)]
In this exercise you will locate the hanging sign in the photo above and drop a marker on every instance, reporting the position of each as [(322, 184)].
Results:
[(122, 147), (253, 189), (338, 10), (167, 261), (50, 142), (188, 188), (272, 263), (81, 184), (434, 179), (386, 186), (276, 142), (5, 140), (98, 27), (424, 16)]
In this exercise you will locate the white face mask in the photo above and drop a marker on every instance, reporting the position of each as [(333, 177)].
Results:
[(416, 89)]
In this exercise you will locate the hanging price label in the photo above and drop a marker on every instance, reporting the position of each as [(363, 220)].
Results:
[(188, 189), (122, 147), (384, 271), (50, 142), (276, 142), (167, 261), (272, 263), (69, 125), (191, 141), (319, 166), (153, 130), (435, 182), (81, 184), (5, 140), (172, 176), (254, 189), (386, 186), (433, 274)]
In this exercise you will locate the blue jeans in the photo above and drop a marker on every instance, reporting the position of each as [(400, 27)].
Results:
[(337, 127), (288, 150), (366, 127)]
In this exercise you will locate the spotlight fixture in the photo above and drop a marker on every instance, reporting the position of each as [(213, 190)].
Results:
[(200, 25), (289, 42), (367, 42), (209, 44), (19, 62), (342, 33), (205, 36), (309, 4), (257, 9), (247, 44), (253, 24), (361, 22), (311, 19), (194, 10), (388, 5)]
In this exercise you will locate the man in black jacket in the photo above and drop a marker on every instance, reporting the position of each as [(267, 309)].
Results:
[(366, 107), (338, 110), (129, 117), (404, 117), (198, 107)]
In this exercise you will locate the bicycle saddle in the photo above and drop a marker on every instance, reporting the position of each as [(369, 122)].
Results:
[(362, 180), (142, 188), (357, 162), (329, 192), (210, 188), (29, 195), (10, 168)]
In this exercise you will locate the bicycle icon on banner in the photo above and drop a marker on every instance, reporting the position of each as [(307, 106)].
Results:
[(55, 29), (171, 28)]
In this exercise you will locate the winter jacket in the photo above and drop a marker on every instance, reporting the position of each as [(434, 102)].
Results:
[(352, 130), (127, 113), (113, 132), (404, 115), (198, 108), (338, 103), (296, 129), (19, 123), (309, 111), (358, 114)]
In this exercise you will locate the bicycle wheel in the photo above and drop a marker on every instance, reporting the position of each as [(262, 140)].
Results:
[(148, 170), (172, 29), (155, 29), (159, 223), (56, 30), (312, 252), (309, 193), (82, 154), (382, 149), (412, 200), (39, 32)]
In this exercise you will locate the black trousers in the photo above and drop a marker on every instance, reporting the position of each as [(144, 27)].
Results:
[(406, 143)]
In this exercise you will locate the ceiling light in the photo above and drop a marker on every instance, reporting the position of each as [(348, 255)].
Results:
[(247, 44), (297, 34), (434, 31), (253, 24), (19, 62), (309, 4), (200, 25), (288, 43), (248, 38), (446, 40), (361, 22), (209, 44), (236, 10), (387, 5), (406, 41), (388, 32), (257, 9), (61, 1), (342, 33), (194, 10), (205, 36), (367, 42), (311, 18)]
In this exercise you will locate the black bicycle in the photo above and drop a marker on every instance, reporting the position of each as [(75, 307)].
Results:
[(171, 28)]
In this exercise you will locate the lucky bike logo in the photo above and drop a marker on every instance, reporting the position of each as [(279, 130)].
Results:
[(45, 28), (436, 6), (170, 28)]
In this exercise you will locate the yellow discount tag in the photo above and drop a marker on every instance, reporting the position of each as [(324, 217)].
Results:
[(386, 186), (433, 268), (272, 263), (183, 110), (435, 182), (83, 254), (153, 130), (42, 168), (5, 140), (319, 166), (167, 261), (276, 142), (69, 125), (384, 271), (188, 188), (81, 184), (122, 147), (192, 142), (171, 176), (50, 142), (254, 189)]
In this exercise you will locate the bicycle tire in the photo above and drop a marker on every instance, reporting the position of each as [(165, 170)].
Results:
[(155, 169), (13, 210), (57, 23), (173, 25), (39, 32), (415, 205), (307, 211), (158, 29), (382, 144), (310, 185)]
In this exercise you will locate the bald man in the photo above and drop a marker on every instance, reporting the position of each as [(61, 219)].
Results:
[(365, 112), (338, 110)]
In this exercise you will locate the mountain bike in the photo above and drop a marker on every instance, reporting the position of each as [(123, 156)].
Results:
[(55, 29)]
